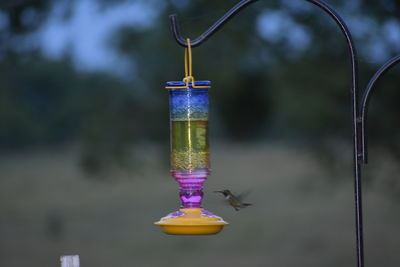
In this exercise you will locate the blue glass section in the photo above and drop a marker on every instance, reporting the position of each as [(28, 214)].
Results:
[(188, 103)]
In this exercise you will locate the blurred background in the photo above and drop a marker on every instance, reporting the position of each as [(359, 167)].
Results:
[(84, 132)]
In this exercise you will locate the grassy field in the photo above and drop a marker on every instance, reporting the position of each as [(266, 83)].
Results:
[(302, 213)]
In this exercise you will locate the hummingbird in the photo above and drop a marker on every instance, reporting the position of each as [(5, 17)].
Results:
[(234, 201)]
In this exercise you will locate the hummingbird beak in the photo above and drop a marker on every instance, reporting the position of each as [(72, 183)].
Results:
[(219, 192)]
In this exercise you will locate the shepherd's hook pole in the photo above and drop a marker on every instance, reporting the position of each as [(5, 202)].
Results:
[(359, 114)]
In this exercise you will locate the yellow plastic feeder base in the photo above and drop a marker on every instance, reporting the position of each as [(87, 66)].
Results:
[(191, 222)]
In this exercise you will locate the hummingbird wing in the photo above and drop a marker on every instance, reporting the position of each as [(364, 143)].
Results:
[(243, 195)]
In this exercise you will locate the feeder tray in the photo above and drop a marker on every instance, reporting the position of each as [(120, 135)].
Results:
[(191, 222)]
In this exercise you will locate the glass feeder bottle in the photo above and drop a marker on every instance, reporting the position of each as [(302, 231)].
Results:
[(190, 159), (190, 156)]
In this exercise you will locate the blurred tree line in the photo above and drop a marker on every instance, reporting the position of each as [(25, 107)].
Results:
[(263, 89)]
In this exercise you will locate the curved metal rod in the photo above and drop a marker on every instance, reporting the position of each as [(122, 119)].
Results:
[(356, 127), (366, 100), (210, 31)]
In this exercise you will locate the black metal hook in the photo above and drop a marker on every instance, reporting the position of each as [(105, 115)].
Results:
[(357, 148), (210, 31), (366, 99)]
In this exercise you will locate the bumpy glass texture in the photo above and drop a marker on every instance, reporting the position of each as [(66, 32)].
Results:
[(189, 130), (190, 159)]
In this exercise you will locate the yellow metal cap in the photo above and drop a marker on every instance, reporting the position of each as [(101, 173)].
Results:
[(191, 222)]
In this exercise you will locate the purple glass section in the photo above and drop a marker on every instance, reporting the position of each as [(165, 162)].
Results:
[(190, 189)]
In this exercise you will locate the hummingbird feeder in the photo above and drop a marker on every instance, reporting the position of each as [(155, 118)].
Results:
[(190, 155)]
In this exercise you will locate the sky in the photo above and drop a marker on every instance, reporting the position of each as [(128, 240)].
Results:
[(87, 35)]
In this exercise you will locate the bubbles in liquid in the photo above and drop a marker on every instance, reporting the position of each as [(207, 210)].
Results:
[(189, 145)]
